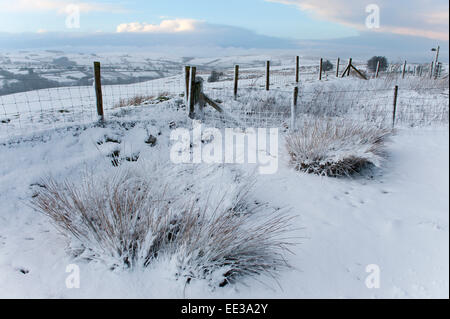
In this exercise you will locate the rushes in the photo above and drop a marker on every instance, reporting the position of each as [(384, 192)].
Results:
[(335, 147), (127, 221)]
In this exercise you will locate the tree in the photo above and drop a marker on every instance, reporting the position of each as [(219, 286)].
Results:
[(373, 62), (327, 66), (215, 76)]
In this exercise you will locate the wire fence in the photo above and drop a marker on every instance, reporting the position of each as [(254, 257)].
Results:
[(421, 100), (258, 108), (42, 109)]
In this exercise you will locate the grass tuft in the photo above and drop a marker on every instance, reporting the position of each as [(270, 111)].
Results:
[(336, 147), (127, 221)]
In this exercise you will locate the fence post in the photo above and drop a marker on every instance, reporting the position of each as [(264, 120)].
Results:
[(378, 69), (404, 70), (431, 70), (98, 90), (437, 72), (236, 79), (337, 67), (294, 109), (187, 71), (395, 105), (191, 101), (320, 69), (297, 69), (350, 62), (267, 75)]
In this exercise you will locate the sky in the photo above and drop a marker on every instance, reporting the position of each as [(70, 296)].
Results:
[(282, 24)]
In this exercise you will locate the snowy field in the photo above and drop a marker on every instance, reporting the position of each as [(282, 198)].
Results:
[(394, 216)]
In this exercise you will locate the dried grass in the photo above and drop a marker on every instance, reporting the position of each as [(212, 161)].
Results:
[(336, 147), (134, 101), (139, 100), (127, 221)]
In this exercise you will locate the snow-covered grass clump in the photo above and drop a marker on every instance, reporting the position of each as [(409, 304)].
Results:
[(335, 147), (139, 100), (129, 220)]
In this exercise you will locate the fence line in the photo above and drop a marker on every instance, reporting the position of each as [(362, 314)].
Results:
[(239, 90)]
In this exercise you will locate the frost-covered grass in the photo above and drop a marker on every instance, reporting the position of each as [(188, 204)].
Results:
[(418, 83), (128, 221), (335, 147), (134, 101), (139, 100)]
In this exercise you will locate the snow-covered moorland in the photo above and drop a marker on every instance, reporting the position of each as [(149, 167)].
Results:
[(323, 232)]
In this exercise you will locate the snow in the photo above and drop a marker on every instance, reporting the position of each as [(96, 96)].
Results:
[(398, 220), (396, 217)]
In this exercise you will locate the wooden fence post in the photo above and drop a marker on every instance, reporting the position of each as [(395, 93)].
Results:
[(236, 79), (98, 90), (337, 67), (294, 109), (187, 71), (191, 101), (320, 69), (404, 70), (197, 93), (267, 75), (395, 105), (378, 69), (297, 69), (350, 62), (437, 72)]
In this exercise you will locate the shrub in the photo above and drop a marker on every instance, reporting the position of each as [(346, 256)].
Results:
[(215, 76), (327, 65), (373, 62), (335, 147), (127, 221)]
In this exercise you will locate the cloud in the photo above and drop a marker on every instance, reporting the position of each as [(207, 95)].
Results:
[(166, 26), (413, 17), (203, 36), (219, 40), (60, 6)]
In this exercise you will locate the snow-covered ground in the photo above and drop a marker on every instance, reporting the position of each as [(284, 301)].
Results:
[(395, 217)]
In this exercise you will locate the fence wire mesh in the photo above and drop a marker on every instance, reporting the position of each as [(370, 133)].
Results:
[(422, 100)]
